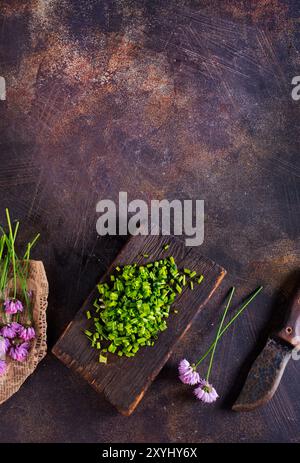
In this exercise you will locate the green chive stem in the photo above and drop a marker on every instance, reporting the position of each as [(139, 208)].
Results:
[(257, 291), (218, 333), (13, 251)]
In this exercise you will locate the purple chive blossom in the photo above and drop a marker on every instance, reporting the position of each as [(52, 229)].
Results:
[(187, 373), (17, 327), (12, 306), (206, 392), (27, 333), (6, 345), (3, 367), (3, 347), (19, 352), (9, 331)]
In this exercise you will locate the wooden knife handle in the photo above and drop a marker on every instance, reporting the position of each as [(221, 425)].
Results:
[(290, 332)]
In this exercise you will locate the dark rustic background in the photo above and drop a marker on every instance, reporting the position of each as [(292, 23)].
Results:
[(163, 99)]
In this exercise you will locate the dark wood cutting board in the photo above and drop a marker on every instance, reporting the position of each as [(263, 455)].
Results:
[(123, 380)]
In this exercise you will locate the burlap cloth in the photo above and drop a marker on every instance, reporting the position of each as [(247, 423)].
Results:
[(17, 372)]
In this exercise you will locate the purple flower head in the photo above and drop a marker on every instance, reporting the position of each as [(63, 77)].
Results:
[(206, 392), (188, 373), (13, 306), (9, 331), (4, 346), (19, 352), (3, 367), (27, 333), (17, 327)]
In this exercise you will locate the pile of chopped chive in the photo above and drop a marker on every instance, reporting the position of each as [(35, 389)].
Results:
[(133, 307)]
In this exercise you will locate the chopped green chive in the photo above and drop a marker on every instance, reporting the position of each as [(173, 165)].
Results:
[(166, 247), (200, 279), (102, 359), (133, 306), (179, 289)]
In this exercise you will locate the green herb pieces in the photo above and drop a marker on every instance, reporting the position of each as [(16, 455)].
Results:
[(179, 289), (133, 306), (166, 247), (102, 359)]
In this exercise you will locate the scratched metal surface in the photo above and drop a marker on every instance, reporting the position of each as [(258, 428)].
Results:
[(161, 99)]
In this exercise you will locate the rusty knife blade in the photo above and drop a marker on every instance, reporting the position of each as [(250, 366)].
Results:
[(264, 376)]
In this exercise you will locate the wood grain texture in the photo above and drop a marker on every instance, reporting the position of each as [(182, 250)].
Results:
[(124, 381)]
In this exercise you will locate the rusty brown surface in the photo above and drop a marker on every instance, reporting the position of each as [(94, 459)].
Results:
[(170, 99)]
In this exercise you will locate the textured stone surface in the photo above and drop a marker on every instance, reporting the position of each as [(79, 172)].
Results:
[(161, 99)]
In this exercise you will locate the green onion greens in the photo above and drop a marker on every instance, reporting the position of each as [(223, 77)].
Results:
[(134, 305)]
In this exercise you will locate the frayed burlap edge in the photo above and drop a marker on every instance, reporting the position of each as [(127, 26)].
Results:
[(17, 372)]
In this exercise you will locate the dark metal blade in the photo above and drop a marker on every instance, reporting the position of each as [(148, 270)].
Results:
[(264, 376)]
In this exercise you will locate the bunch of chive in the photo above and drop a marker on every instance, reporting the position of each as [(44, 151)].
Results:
[(133, 307), (16, 318), (13, 267)]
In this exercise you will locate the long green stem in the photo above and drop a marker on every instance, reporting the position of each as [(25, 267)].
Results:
[(4, 270), (16, 230), (23, 283), (2, 244), (218, 333), (30, 246), (3, 281), (257, 291), (13, 251), (26, 257)]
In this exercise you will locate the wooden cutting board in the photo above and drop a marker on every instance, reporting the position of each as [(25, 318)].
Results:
[(123, 380)]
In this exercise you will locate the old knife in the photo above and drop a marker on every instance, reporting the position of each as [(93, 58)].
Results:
[(266, 372)]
